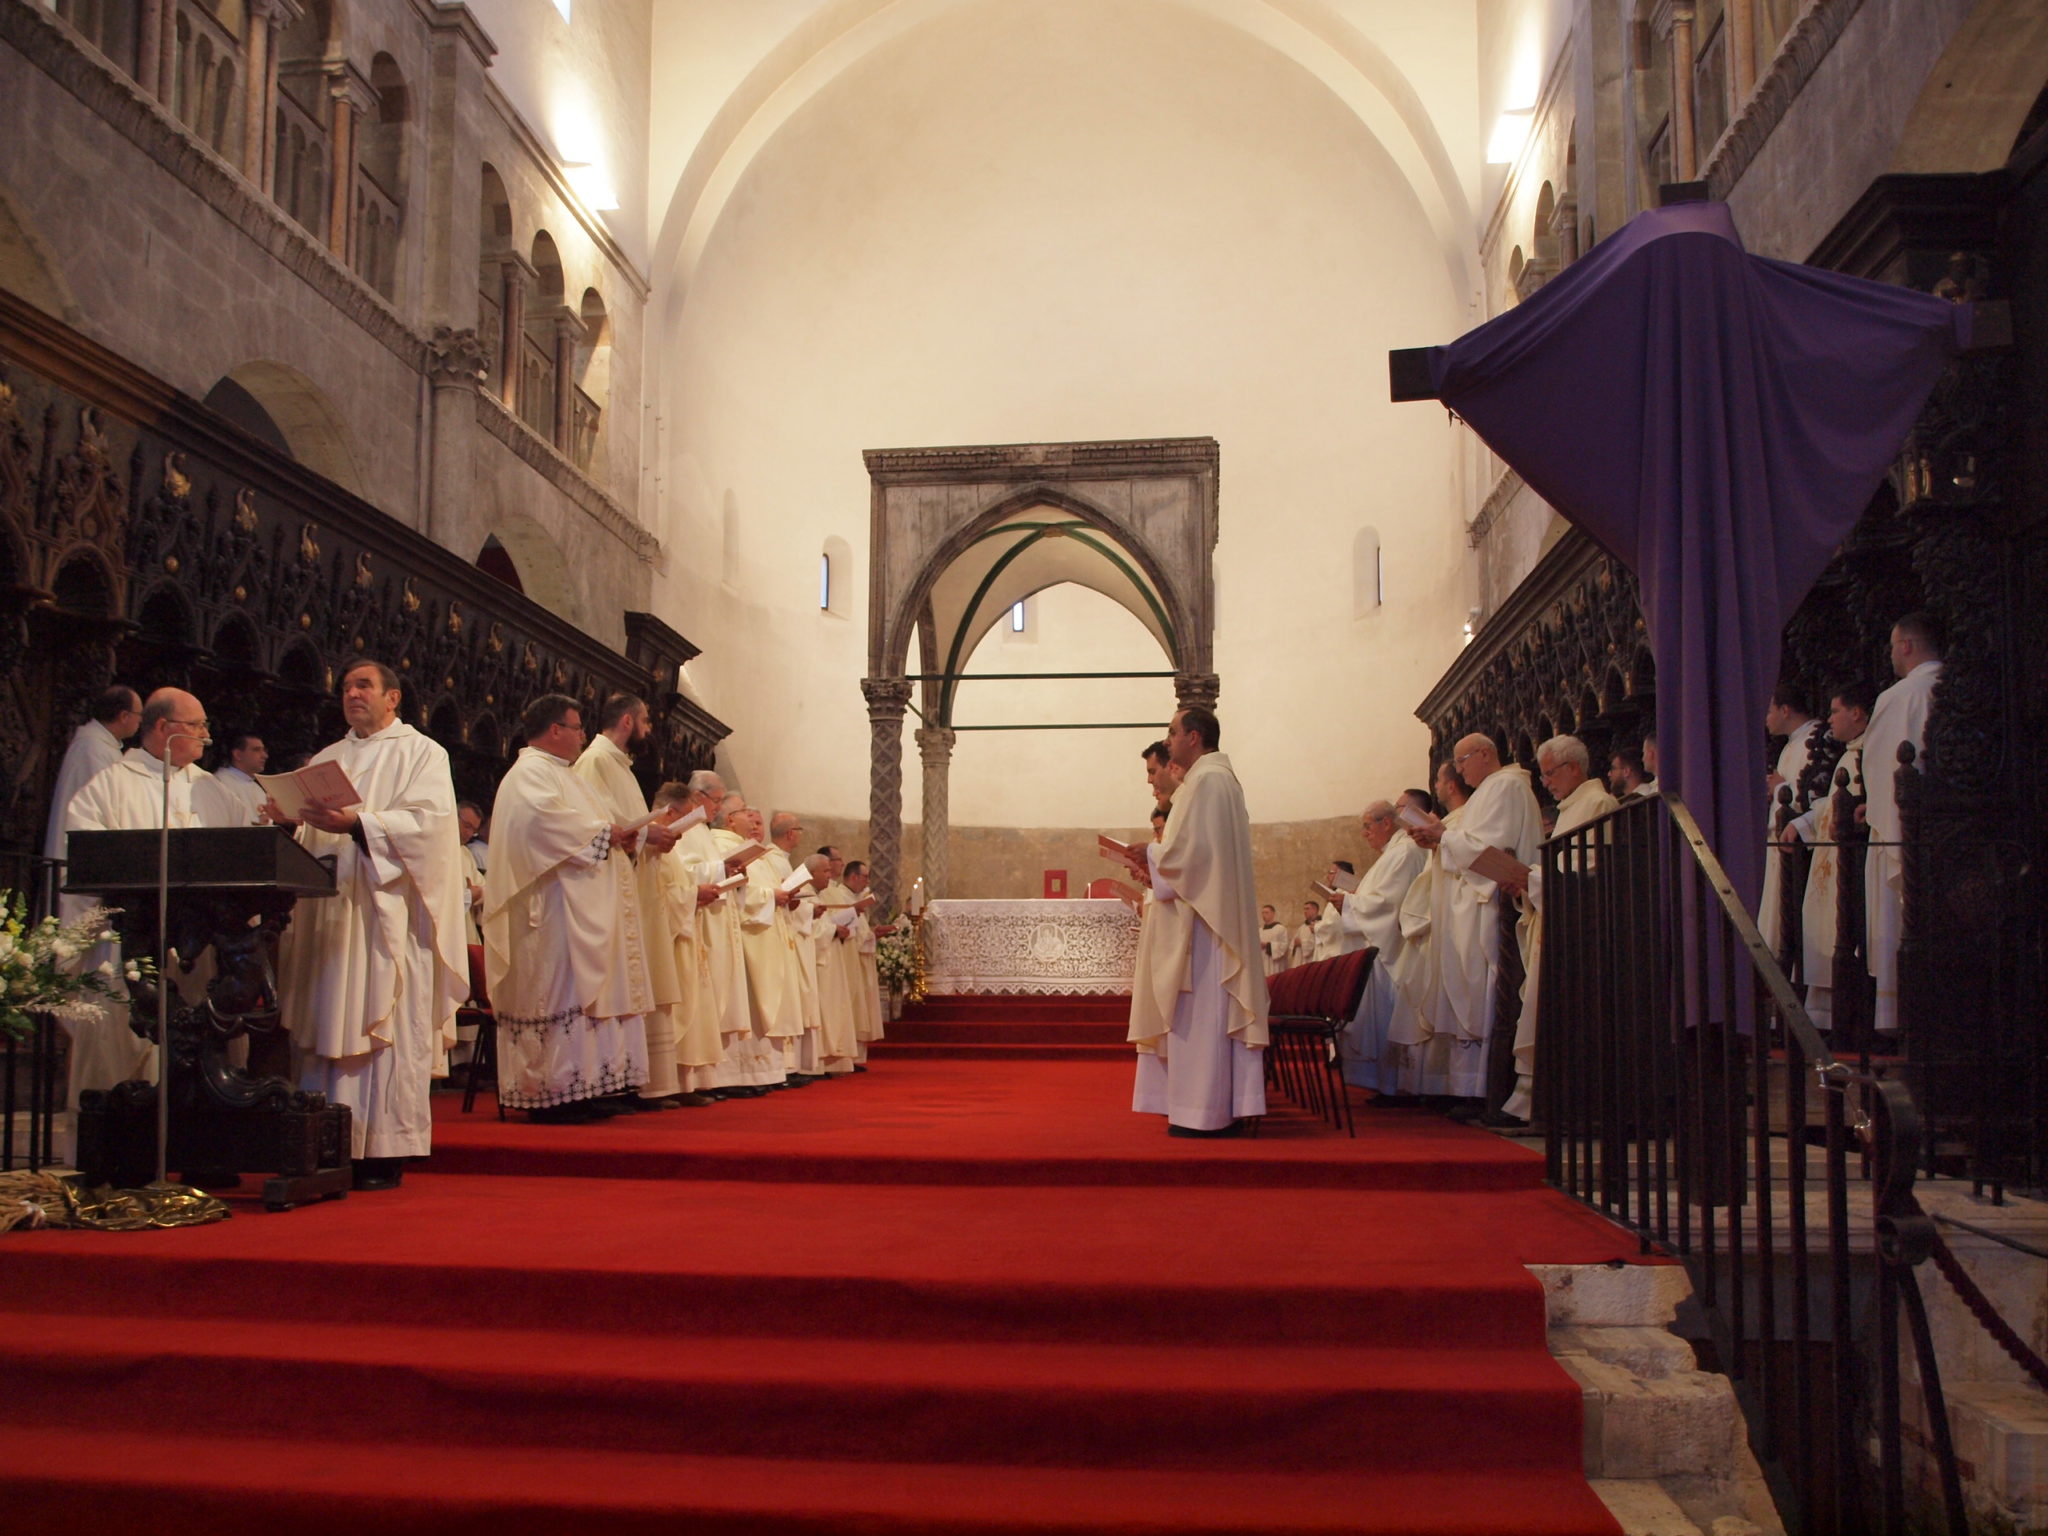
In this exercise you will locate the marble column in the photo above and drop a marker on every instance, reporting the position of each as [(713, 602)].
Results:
[(349, 96), (1741, 54), (456, 365), (887, 698), (1685, 156), (935, 750), (568, 332), (517, 273)]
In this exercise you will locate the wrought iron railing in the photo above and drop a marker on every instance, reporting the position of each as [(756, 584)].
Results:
[(1684, 1091)]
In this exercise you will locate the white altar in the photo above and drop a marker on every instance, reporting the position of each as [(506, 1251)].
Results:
[(1041, 947)]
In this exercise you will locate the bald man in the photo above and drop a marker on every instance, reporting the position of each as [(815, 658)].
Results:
[(1501, 814)]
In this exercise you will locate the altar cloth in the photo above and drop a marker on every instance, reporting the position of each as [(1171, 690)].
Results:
[(1039, 948)]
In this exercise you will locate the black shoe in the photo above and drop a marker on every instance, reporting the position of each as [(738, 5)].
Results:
[(1235, 1128), (694, 1099), (859, 1067), (372, 1173), (646, 1106)]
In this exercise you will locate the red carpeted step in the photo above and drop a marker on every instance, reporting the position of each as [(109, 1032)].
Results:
[(1126, 1406), (174, 1485), (981, 1050), (1007, 1031)]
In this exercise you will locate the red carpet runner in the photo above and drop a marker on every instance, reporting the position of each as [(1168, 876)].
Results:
[(967, 1294)]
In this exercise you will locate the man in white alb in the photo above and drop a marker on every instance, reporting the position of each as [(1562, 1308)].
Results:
[(1502, 814), (1302, 947), (841, 982), (623, 727), (562, 955), (1198, 1008), (1900, 717), (1820, 911), (1786, 717), (126, 796), (371, 978), (246, 758), (867, 935), (708, 853), (95, 745), (1372, 917), (1332, 937), (1274, 939), (1567, 771)]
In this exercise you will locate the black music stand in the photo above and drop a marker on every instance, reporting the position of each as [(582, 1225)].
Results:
[(232, 890)]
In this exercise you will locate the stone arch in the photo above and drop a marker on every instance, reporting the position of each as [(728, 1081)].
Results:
[(542, 568), (1979, 94), (312, 430), (1136, 521), (27, 268), (381, 156)]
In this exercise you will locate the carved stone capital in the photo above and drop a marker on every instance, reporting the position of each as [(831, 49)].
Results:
[(1197, 689), (935, 745), (888, 697), (279, 13), (457, 359)]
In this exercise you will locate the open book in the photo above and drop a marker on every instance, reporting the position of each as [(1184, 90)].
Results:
[(1411, 818), (798, 879), (1124, 853), (745, 854), (325, 782), (667, 817), (1329, 894), (1497, 864), (731, 882)]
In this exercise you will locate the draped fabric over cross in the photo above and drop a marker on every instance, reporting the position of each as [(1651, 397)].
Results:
[(562, 950), (371, 978), (1718, 421)]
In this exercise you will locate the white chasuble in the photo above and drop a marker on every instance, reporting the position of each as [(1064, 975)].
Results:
[(1502, 813), (1589, 802), (1198, 1003), (698, 1044), (371, 977), (607, 769), (1900, 717), (1372, 917), (770, 943), (562, 953), (93, 749), (839, 977)]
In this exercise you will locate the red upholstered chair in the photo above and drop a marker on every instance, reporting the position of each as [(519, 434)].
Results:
[(477, 1011), (1309, 1007)]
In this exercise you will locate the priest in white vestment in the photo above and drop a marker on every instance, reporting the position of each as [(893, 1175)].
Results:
[(1567, 771), (812, 1059), (1786, 718), (1819, 912), (563, 957), (95, 746), (1502, 814), (1416, 1053), (867, 935), (370, 978), (1302, 948), (1198, 1005), (128, 795), (624, 725), (1372, 917), (1900, 717), (1274, 940), (745, 1061), (768, 936), (1329, 924), (247, 756), (840, 980), (752, 1062), (689, 875)]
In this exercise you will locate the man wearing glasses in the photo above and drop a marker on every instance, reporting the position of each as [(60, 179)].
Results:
[(128, 795)]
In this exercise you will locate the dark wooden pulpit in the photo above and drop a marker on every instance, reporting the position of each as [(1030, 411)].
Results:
[(231, 893)]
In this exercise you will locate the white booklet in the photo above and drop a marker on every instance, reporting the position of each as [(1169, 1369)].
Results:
[(798, 879), (668, 818), (325, 782)]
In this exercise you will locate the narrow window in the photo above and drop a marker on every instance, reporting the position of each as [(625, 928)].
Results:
[(1017, 617)]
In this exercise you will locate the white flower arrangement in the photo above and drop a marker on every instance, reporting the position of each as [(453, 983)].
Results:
[(39, 970), (896, 960)]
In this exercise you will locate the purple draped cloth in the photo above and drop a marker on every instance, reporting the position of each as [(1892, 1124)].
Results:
[(1719, 422)]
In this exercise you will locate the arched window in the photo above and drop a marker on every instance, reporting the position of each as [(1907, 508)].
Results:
[(1368, 573), (300, 173), (835, 578), (495, 250), (537, 346), (379, 198), (593, 381)]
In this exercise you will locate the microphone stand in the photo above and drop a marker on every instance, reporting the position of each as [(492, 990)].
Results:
[(163, 964)]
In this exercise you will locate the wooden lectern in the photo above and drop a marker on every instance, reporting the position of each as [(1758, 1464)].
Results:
[(231, 891)]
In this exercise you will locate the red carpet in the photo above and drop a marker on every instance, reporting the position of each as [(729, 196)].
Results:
[(937, 1296)]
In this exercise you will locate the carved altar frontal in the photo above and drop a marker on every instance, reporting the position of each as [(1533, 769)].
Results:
[(1032, 947)]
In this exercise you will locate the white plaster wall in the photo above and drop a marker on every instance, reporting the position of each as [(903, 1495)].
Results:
[(1043, 220), (584, 86)]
